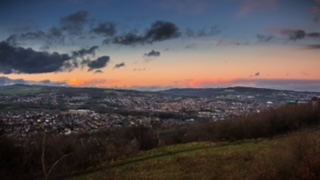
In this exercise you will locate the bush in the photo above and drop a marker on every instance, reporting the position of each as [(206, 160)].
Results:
[(298, 157)]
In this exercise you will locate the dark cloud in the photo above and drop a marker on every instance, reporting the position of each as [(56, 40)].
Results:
[(74, 23), (51, 37), (98, 71), (101, 62), (105, 29), (55, 35), (107, 41), (83, 52), (15, 38), (314, 46), (78, 26), (264, 38), (71, 25), (33, 35), (314, 35), (129, 39), (204, 32), (293, 34), (26, 60), (44, 48), (12, 40), (255, 75), (191, 46), (299, 34), (119, 65), (159, 31), (152, 53), (21, 60)]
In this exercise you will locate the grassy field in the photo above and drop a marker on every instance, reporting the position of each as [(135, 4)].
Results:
[(202, 160), (276, 158)]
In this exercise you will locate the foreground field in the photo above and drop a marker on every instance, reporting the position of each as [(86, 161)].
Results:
[(277, 158)]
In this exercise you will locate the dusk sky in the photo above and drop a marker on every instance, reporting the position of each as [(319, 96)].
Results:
[(160, 44)]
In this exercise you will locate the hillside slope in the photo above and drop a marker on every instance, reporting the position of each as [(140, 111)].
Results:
[(278, 158)]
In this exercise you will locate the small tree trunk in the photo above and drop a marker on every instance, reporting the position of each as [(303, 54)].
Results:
[(43, 155)]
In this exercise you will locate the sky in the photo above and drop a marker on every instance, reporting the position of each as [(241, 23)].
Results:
[(161, 44)]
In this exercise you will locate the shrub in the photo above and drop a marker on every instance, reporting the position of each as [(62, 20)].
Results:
[(298, 157)]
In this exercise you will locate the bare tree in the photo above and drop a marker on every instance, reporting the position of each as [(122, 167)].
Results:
[(45, 173)]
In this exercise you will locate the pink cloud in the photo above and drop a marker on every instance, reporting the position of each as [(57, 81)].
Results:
[(249, 6)]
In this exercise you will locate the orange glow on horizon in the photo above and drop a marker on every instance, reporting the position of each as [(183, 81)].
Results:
[(91, 82), (188, 83), (198, 83)]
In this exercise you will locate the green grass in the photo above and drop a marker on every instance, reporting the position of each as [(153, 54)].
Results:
[(203, 160)]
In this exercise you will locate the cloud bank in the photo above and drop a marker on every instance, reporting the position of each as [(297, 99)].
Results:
[(17, 60), (159, 31)]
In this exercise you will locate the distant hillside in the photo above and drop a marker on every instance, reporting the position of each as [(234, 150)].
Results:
[(213, 92), (23, 89), (227, 94)]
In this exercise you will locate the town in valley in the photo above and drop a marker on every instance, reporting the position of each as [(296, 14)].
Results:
[(29, 109)]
